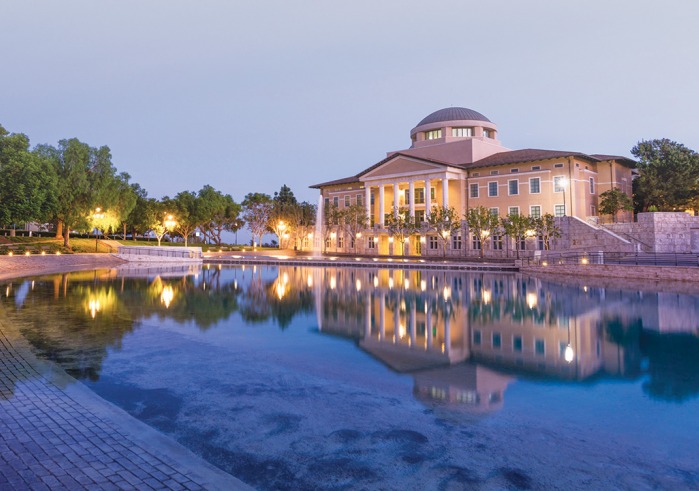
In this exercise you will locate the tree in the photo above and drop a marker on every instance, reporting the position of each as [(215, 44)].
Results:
[(27, 182), (218, 212), (302, 222), (138, 220), (482, 223), (125, 200), (445, 222), (517, 227), (668, 175), (257, 208), (332, 218), (547, 229), (281, 217), (187, 212), (401, 226), (614, 201), (355, 220)]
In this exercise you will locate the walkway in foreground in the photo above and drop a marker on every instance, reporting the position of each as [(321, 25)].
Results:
[(56, 434)]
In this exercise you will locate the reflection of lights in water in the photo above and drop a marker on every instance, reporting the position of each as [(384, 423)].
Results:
[(584, 260), (167, 295), (333, 282), (585, 289), (401, 331), (423, 285), (285, 278), (442, 347), (32, 285), (486, 296), (281, 290), (531, 300), (309, 281), (376, 281), (406, 283), (569, 354), (446, 293), (358, 284), (390, 283), (7, 292), (402, 305), (235, 284), (254, 269), (94, 306)]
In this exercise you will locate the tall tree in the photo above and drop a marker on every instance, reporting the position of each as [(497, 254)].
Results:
[(303, 221), (219, 212), (187, 212), (546, 228), (668, 175), (482, 224), (518, 227), (355, 220), (445, 222), (281, 217), (138, 220), (401, 226), (27, 182), (613, 201), (257, 208)]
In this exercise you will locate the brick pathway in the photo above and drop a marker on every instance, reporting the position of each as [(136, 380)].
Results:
[(69, 438)]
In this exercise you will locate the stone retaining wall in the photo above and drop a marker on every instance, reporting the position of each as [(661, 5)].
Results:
[(160, 254), (656, 273)]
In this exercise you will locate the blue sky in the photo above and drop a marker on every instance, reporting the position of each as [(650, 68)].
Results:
[(247, 96)]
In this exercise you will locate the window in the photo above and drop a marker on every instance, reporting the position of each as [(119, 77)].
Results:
[(456, 242), (476, 243), (371, 198), (419, 196), (559, 210), (513, 210), (371, 242), (340, 242), (495, 211), (327, 203), (513, 187), (433, 135), (419, 216), (432, 195), (534, 185), (593, 210), (359, 200), (558, 166), (336, 201), (432, 242), (487, 133), (327, 243), (497, 340), (497, 242), (540, 242), (514, 170), (539, 346), (407, 196), (347, 201), (517, 343), (352, 244), (477, 337), (494, 172), (535, 211), (558, 182), (474, 190), (492, 189), (476, 174), (592, 185), (462, 132), (536, 167)]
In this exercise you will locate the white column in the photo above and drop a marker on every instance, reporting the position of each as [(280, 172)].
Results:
[(447, 334), (382, 317), (445, 192), (382, 211), (396, 324), (428, 198), (367, 202), (411, 191), (396, 203), (367, 316)]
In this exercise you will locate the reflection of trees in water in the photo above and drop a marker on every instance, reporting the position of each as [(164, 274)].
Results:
[(673, 365), (280, 299)]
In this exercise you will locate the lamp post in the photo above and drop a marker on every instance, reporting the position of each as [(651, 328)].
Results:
[(97, 215)]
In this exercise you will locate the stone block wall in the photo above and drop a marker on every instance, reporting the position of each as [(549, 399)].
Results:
[(578, 235)]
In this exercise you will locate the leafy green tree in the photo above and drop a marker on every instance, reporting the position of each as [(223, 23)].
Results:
[(27, 182), (333, 217), (668, 175), (445, 222), (281, 216), (613, 201), (545, 226), (303, 222), (257, 208), (401, 226), (219, 212), (482, 223), (188, 214), (355, 220), (138, 221), (518, 227)]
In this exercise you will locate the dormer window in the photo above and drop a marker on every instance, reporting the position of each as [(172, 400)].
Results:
[(433, 134), (487, 133), (461, 132)]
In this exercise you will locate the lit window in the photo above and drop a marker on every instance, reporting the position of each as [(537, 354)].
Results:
[(513, 210), (474, 190), (419, 196), (592, 185), (535, 211), (492, 189), (559, 210), (433, 135), (558, 184), (534, 185), (513, 187), (419, 216), (462, 132), (432, 195)]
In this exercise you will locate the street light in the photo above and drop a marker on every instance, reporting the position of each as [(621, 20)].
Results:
[(97, 215)]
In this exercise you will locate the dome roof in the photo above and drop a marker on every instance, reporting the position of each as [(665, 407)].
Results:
[(453, 114)]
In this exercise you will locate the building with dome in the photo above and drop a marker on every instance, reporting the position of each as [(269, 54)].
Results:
[(456, 159)]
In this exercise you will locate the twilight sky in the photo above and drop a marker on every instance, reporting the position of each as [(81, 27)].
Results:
[(247, 96)]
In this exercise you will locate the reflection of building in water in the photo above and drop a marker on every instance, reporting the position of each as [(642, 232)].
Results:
[(467, 386)]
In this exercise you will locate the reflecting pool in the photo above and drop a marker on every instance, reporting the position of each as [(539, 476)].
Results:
[(322, 378)]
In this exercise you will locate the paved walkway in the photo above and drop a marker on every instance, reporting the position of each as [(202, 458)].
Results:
[(56, 434)]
